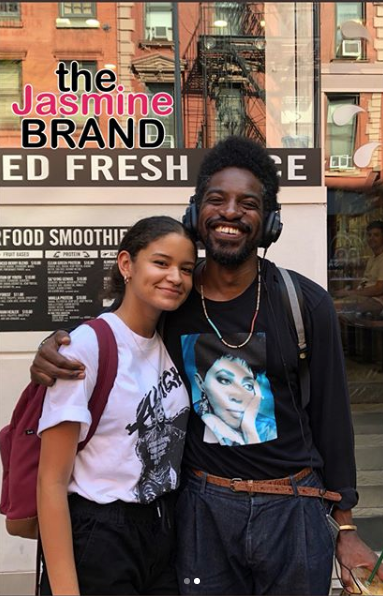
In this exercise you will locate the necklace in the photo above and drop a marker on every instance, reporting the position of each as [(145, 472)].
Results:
[(214, 327), (144, 354), (132, 335)]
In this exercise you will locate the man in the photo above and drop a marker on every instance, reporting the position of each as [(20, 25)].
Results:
[(368, 296), (252, 517)]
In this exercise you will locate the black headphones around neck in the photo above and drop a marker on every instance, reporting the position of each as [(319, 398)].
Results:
[(272, 225)]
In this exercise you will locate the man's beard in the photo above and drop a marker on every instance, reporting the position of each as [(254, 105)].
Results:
[(226, 256)]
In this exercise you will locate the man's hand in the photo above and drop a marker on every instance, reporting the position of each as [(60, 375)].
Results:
[(352, 552), (48, 365)]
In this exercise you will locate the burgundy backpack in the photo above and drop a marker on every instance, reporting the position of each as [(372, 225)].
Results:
[(20, 445)]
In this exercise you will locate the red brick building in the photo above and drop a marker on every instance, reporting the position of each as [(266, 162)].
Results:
[(35, 36)]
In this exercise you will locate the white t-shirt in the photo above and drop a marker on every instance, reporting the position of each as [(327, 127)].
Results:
[(136, 451)]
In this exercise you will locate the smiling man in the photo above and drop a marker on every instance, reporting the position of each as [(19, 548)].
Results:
[(252, 514), (252, 511)]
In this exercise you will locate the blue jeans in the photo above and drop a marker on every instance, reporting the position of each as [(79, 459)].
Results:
[(238, 543)]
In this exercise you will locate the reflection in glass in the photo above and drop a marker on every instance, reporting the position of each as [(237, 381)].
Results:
[(355, 276)]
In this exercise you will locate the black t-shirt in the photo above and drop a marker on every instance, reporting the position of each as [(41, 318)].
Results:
[(246, 418)]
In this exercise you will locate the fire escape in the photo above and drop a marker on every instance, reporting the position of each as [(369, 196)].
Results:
[(223, 82)]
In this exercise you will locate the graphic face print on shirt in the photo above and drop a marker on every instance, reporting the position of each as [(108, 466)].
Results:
[(230, 390)]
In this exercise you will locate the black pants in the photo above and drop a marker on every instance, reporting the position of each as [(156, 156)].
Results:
[(123, 548)]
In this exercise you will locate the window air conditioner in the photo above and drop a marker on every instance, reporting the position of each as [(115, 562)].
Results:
[(160, 33), (167, 144), (341, 162), (352, 48)]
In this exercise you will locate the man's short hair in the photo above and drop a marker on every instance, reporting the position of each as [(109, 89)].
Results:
[(244, 153), (378, 224)]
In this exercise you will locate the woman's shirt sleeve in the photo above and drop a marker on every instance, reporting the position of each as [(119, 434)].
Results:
[(67, 401)]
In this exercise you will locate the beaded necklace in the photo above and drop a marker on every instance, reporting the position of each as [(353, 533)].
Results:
[(214, 327)]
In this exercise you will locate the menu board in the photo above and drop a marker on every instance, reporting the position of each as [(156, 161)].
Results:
[(53, 278)]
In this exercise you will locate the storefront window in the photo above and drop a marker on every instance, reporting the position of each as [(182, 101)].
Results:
[(355, 233), (257, 59)]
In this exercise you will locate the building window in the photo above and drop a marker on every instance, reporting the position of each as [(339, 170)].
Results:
[(230, 113), (9, 10), (77, 14), (10, 91), (340, 140), (91, 66), (77, 9), (158, 21), (168, 121), (227, 18), (350, 49)]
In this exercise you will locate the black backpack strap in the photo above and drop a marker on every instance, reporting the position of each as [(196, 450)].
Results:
[(107, 371), (294, 304), (39, 557)]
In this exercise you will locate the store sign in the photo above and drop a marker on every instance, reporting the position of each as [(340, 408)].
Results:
[(121, 167), (54, 277)]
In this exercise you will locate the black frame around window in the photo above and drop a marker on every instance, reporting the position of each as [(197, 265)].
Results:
[(8, 120), (159, 8), (359, 13), (9, 10), (77, 10), (348, 131)]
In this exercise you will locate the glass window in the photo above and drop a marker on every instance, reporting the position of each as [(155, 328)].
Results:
[(168, 121), (355, 255), (348, 11), (81, 15), (230, 114), (91, 66), (158, 21), (10, 91), (9, 10), (340, 140), (227, 18), (77, 9)]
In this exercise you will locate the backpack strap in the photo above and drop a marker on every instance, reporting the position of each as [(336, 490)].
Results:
[(106, 375), (294, 303), (39, 558)]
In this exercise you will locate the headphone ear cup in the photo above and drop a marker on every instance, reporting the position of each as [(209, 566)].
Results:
[(272, 228), (190, 217)]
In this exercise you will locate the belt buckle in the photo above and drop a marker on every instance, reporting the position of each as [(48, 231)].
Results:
[(232, 483)]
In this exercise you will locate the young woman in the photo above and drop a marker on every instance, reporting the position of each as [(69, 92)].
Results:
[(114, 533)]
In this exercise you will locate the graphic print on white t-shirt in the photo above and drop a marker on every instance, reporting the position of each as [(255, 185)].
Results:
[(159, 438)]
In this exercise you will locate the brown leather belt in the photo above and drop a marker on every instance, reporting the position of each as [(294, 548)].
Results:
[(279, 486)]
